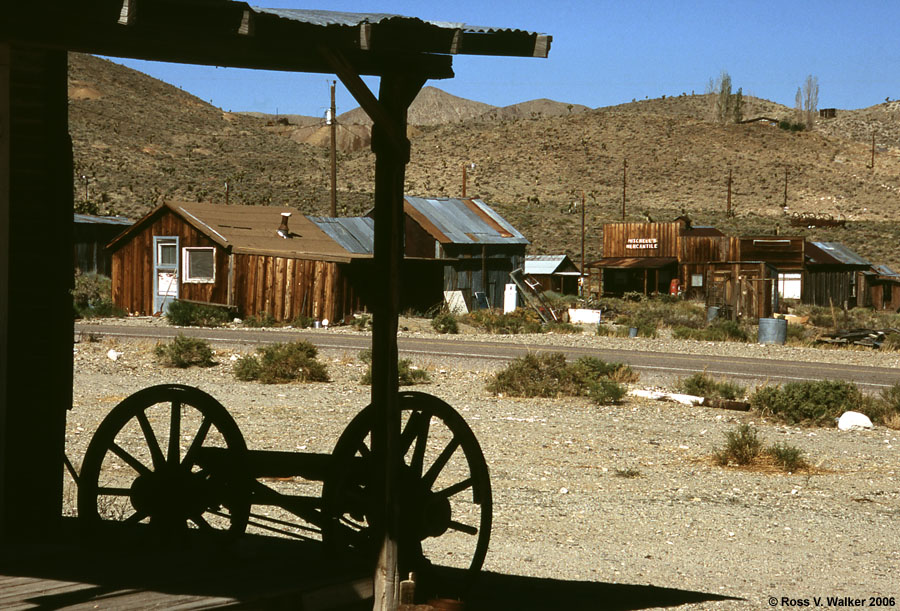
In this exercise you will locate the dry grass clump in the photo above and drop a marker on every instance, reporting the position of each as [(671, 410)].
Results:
[(549, 375), (282, 363), (744, 448)]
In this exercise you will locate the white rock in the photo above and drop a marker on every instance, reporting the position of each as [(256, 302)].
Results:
[(114, 355), (850, 421)]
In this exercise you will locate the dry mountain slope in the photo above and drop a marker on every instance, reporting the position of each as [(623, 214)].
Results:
[(140, 141)]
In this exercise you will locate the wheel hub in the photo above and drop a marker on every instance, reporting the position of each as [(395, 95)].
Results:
[(169, 495)]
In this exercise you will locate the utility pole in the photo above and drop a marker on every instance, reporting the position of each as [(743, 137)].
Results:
[(624, 174), (784, 205), (332, 121), (873, 151), (728, 203), (581, 284), (227, 191), (465, 169)]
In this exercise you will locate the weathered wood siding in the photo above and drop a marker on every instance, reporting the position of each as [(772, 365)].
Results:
[(132, 266), (473, 270), (885, 295), (286, 288), (783, 253), (830, 287), (628, 239), (705, 249)]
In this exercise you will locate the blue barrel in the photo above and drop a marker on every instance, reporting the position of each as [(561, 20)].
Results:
[(712, 313), (772, 330)]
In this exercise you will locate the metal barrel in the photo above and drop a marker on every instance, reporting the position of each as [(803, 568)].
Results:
[(772, 330)]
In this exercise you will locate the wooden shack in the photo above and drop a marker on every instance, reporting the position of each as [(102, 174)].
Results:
[(256, 259), (834, 276), (883, 288), (472, 247), (92, 234), (557, 273)]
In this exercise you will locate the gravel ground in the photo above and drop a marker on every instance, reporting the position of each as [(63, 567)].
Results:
[(563, 507)]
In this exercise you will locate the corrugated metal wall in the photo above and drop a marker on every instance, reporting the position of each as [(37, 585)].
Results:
[(467, 272)]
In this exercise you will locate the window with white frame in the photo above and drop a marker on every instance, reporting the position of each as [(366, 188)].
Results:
[(199, 264)]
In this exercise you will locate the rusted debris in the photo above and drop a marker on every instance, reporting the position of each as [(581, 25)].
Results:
[(872, 338), (816, 220)]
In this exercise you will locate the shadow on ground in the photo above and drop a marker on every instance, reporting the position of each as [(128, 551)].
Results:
[(274, 573)]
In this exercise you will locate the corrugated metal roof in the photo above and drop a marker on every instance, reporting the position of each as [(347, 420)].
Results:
[(545, 265), (840, 253), (462, 221), (356, 234), (339, 18), (102, 220), (884, 270)]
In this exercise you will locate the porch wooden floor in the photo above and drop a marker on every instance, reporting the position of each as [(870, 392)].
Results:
[(256, 573)]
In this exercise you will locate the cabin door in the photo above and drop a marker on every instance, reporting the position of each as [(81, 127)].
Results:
[(165, 272)]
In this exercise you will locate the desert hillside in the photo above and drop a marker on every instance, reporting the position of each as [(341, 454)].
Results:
[(140, 141)]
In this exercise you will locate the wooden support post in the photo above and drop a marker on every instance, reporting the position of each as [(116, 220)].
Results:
[(395, 95), (36, 271)]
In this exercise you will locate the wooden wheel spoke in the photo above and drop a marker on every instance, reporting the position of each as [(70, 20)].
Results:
[(455, 488), (197, 442), (174, 449), (110, 491), (463, 528), (438, 465), (132, 462), (136, 517), (155, 451), (418, 458), (200, 521)]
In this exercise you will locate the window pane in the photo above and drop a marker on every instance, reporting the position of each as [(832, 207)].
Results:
[(200, 264), (167, 254)]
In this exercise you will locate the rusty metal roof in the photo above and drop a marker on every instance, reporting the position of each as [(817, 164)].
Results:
[(633, 262), (462, 221), (356, 234), (251, 230), (833, 253)]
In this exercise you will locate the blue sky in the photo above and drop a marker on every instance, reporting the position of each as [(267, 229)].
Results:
[(607, 53)]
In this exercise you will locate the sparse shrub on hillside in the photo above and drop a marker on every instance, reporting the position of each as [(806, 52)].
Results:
[(92, 296), (702, 385), (742, 446), (407, 373), (520, 320), (561, 327), (719, 330), (549, 375), (187, 314), (260, 320), (183, 352), (788, 458), (817, 403), (281, 363), (445, 322)]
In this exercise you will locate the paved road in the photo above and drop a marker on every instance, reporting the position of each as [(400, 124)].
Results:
[(655, 365)]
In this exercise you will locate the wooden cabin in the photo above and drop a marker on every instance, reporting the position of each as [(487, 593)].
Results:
[(834, 276), (256, 259), (92, 234), (557, 273), (466, 243), (883, 288)]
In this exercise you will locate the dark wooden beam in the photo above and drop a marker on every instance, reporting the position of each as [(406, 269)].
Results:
[(36, 271), (395, 96)]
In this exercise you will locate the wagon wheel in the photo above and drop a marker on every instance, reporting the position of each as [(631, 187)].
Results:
[(145, 465), (445, 490)]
